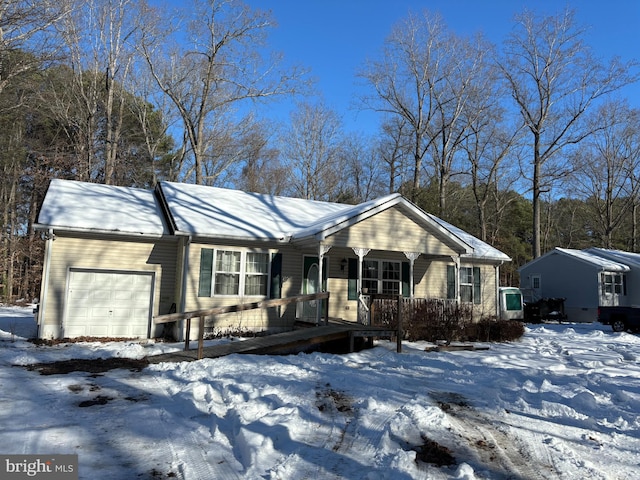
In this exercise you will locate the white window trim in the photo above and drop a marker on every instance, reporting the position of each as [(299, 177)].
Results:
[(243, 271), (381, 280), (613, 283), (462, 284)]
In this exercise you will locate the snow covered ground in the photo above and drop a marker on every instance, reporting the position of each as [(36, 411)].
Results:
[(563, 403)]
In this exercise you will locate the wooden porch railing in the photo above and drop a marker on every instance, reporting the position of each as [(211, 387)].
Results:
[(202, 314)]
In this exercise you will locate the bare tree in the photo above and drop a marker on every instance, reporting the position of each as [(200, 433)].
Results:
[(405, 80), (28, 26), (214, 70), (429, 78), (553, 78), (27, 42), (99, 35), (312, 151), (608, 165), (466, 97), (362, 174), (488, 148), (394, 149)]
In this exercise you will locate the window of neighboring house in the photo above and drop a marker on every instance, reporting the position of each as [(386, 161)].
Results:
[(613, 283), (535, 282), (382, 276), (233, 272)]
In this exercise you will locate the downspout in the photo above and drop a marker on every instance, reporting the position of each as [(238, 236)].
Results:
[(497, 282), (44, 282), (456, 261), (183, 290)]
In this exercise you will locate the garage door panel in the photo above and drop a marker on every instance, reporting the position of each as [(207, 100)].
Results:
[(108, 304), (76, 331), (98, 331)]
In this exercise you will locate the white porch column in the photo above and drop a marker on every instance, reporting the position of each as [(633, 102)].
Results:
[(363, 308), (360, 252), (412, 256), (322, 251), (456, 261), (497, 292)]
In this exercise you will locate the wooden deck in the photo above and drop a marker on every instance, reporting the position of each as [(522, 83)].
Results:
[(294, 341)]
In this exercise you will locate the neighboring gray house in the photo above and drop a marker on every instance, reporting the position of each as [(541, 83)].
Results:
[(586, 279)]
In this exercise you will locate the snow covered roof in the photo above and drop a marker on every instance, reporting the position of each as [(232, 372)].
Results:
[(223, 213), (588, 256), (81, 206), (480, 249), (212, 212), (616, 256)]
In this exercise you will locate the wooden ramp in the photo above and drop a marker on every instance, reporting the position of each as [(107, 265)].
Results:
[(294, 341)]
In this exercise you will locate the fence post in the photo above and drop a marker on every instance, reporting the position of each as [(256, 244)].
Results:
[(399, 334), (186, 335), (200, 337), (326, 311)]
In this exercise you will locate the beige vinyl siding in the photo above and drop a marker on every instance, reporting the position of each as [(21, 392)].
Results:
[(158, 257), (272, 319), (434, 285), (433, 282), (488, 306), (389, 230)]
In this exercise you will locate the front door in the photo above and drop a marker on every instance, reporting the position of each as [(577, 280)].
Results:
[(310, 285)]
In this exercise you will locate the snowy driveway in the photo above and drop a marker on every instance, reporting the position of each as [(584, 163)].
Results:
[(562, 403)]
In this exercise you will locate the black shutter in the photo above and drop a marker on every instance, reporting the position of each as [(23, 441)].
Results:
[(276, 276), (406, 281), (477, 289), (451, 282), (352, 289), (206, 271)]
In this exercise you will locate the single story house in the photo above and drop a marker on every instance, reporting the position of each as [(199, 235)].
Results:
[(586, 279), (116, 257)]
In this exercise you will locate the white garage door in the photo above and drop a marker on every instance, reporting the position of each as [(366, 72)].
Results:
[(108, 304)]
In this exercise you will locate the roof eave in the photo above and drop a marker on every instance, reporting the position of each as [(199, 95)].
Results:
[(98, 231)]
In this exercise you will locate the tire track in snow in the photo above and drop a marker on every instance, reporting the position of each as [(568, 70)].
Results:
[(186, 448), (499, 453)]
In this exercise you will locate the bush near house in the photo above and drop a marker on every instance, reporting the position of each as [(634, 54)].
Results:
[(435, 320)]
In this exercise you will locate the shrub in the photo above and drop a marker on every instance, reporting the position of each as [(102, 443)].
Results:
[(492, 330), (437, 320)]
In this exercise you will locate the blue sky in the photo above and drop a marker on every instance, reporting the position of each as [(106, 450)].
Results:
[(334, 37)]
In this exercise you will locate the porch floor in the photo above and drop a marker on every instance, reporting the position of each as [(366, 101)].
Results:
[(294, 341)]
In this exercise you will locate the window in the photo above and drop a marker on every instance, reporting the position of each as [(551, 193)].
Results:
[(535, 282), (470, 284), (256, 274), (613, 283), (382, 276), (227, 273), (233, 272), (466, 284)]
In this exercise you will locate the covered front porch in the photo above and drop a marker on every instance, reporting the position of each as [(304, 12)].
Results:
[(356, 276)]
